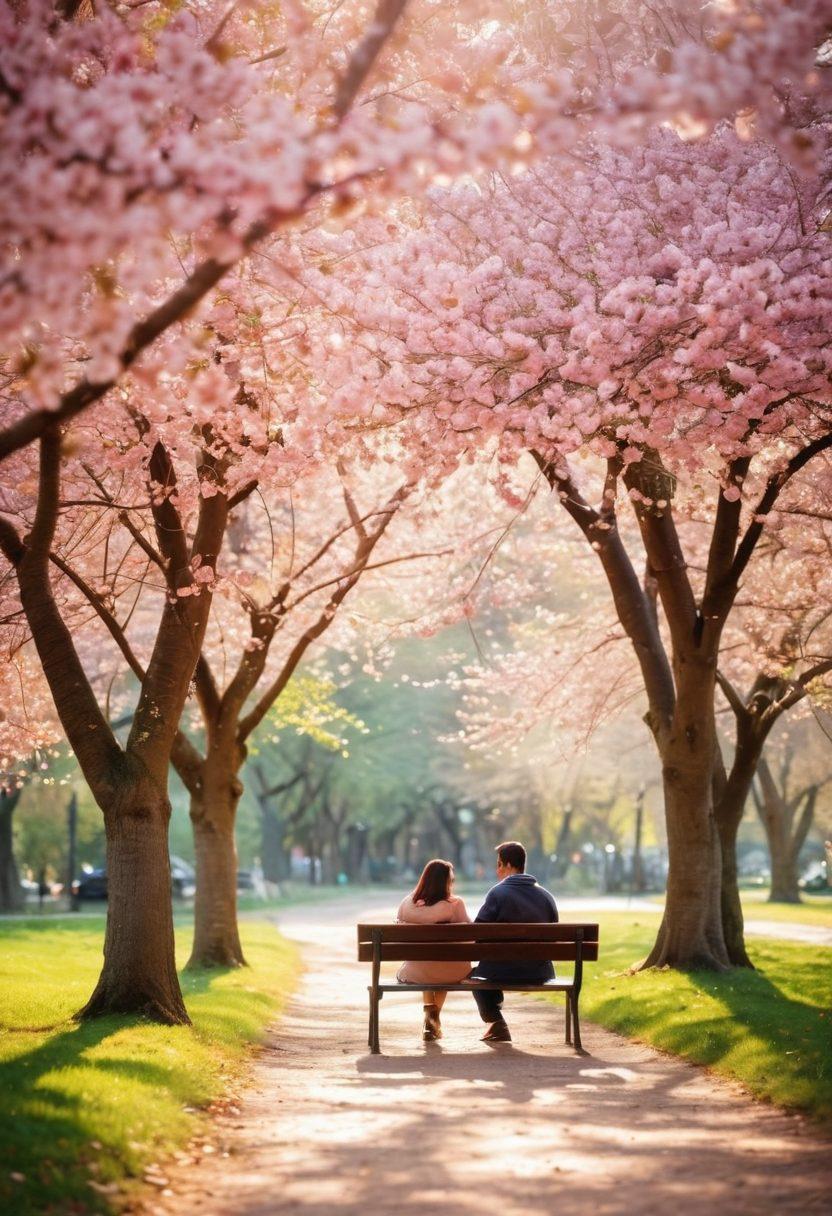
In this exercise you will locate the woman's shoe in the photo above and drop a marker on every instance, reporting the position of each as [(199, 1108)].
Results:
[(432, 1028)]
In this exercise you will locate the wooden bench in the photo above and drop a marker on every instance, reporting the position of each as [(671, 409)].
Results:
[(505, 943)]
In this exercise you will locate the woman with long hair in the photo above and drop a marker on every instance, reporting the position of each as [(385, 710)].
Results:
[(432, 902)]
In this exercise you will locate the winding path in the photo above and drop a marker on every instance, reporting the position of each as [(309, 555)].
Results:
[(459, 1128)]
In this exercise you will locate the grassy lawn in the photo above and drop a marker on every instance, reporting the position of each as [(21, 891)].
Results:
[(770, 1029), (82, 1107), (814, 910)]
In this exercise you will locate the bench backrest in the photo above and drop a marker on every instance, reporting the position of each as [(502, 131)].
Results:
[(493, 942)]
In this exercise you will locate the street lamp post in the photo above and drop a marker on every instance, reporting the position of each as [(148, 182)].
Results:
[(72, 827), (637, 873)]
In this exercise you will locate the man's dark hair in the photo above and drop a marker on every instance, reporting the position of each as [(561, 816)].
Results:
[(511, 853)]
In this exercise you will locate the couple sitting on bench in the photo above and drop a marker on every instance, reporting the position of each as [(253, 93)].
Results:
[(517, 898)]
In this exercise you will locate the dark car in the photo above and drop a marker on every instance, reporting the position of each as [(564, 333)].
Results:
[(182, 878), (91, 885), (245, 881)]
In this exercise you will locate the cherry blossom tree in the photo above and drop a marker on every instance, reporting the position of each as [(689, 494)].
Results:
[(147, 151), (153, 154), (663, 310)]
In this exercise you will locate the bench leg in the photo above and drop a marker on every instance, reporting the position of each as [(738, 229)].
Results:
[(577, 1024), (569, 1018), (374, 1044), (370, 1031)]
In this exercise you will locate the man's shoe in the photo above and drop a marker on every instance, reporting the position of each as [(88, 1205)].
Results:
[(432, 1029), (498, 1032)]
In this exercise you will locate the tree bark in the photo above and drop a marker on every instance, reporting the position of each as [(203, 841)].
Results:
[(733, 922), (563, 845), (730, 795), (784, 877), (785, 837), (11, 892), (214, 802), (139, 972), (691, 936), (273, 852)]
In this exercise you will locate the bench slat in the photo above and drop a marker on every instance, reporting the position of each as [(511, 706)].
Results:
[(556, 985), (482, 933), (457, 952)]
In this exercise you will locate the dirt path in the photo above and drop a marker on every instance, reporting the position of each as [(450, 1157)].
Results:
[(462, 1128)]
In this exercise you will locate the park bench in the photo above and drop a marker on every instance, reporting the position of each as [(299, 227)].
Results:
[(505, 943)]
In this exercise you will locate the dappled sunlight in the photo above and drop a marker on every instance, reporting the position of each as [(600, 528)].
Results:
[(328, 1129)]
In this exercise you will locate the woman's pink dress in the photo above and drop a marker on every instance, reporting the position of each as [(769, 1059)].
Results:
[(422, 971)]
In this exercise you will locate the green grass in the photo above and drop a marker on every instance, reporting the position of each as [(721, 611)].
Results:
[(814, 910), (83, 1108), (770, 1029)]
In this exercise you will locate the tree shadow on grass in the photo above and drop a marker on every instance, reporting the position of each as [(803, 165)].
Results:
[(779, 1046), (46, 1136), (789, 1039), (65, 1112)]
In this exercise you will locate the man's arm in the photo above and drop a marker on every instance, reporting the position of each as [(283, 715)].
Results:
[(490, 910)]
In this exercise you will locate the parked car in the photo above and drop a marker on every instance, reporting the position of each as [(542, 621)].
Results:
[(182, 878), (815, 877), (91, 885), (245, 881)]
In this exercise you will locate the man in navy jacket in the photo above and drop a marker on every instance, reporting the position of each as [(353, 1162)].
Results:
[(520, 898)]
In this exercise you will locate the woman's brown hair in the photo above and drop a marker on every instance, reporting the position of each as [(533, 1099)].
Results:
[(435, 882)]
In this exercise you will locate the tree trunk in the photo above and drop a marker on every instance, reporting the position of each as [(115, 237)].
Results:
[(214, 804), (139, 972), (730, 795), (11, 892), (784, 876), (691, 936), (785, 838), (733, 922), (563, 845), (273, 852)]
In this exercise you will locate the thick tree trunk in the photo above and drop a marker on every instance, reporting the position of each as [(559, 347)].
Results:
[(784, 877), (11, 892), (213, 813), (139, 972), (691, 934)]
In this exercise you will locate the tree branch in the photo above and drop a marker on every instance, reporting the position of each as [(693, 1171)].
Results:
[(102, 611), (632, 605), (201, 280), (363, 551), (770, 494), (87, 729), (732, 696), (364, 56)]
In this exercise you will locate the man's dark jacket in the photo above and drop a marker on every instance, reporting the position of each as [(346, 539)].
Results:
[(519, 897)]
